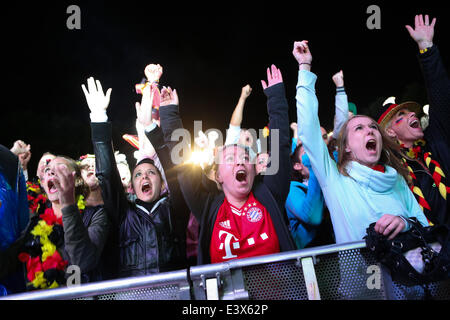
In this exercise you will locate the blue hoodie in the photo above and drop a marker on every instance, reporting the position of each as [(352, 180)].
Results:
[(304, 207)]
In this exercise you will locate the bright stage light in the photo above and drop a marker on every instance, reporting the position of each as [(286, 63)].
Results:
[(200, 157)]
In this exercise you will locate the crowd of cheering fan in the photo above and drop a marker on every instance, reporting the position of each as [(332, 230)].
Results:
[(296, 186)]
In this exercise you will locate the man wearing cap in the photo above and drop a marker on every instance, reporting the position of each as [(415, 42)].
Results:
[(427, 152)]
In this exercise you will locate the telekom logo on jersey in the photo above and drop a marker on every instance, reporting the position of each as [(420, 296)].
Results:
[(227, 243)]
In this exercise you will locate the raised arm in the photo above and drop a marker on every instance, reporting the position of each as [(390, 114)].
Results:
[(180, 210), (423, 31), (144, 112), (277, 174), (113, 193), (341, 102), (237, 116), (234, 129), (435, 75), (23, 152), (307, 115), (84, 245), (156, 138), (169, 115), (195, 186)]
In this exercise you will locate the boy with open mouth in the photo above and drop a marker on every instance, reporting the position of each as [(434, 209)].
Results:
[(150, 231)]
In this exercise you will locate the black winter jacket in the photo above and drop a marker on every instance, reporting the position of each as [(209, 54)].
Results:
[(436, 135), (150, 236)]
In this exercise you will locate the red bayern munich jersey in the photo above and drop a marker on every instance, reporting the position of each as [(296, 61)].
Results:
[(245, 232)]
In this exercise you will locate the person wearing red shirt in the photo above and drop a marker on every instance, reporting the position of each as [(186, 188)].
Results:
[(246, 218)]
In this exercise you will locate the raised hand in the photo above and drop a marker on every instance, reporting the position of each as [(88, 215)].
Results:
[(338, 79), (168, 96), (144, 109), (20, 147), (302, 54), (423, 31), (246, 91), (23, 152), (24, 158), (202, 140), (153, 72), (273, 77), (64, 182), (294, 127), (145, 147), (97, 101)]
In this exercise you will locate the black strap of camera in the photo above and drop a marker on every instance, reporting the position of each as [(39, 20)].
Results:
[(427, 253)]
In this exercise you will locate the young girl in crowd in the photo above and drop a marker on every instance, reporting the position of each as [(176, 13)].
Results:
[(368, 182), (151, 231)]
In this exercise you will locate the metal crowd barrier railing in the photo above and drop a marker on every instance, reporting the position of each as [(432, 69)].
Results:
[(335, 272)]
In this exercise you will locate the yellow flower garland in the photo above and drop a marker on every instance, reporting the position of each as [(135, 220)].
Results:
[(42, 229), (81, 204), (41, 283), (39, 280)]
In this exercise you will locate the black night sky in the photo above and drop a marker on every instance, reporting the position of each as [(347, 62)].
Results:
[(209, 51)]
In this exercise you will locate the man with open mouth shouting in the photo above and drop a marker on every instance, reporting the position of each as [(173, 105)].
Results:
[(247, 217)]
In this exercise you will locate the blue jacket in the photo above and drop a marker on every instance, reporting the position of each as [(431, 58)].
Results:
[(14, 213), (304, 207)]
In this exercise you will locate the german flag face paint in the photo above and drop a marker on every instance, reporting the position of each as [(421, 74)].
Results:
[(398, 121), (406, 126), (44, 162)]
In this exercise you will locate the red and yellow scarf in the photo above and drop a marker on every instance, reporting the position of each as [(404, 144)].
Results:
[(435, 170)]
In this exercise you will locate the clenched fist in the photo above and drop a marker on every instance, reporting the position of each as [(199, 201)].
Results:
[(153, 72)]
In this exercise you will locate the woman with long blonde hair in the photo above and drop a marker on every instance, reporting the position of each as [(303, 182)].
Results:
[(367, 184)]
